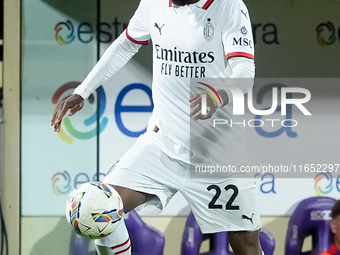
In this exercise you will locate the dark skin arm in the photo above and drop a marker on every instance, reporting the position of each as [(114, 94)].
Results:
[(75, 103), (69, 105), (195, 105)]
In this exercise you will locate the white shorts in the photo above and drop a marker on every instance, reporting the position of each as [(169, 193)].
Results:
[(228, 204)]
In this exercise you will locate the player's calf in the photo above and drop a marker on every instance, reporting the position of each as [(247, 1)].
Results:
[(245, 242), (116, 243)]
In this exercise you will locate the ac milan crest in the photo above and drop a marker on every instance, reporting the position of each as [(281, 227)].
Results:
[(208, 30)]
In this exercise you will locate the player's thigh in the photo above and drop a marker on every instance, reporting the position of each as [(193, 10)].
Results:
[(132, 198), (223, 204), (245, 243), (142, 176)]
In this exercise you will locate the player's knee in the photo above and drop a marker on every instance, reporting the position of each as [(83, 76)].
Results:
[(132, 198)]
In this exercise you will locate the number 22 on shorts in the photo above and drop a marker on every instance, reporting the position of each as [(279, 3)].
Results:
[(229, 205)]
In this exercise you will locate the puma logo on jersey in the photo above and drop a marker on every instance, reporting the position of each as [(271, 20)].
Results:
[(245, 217), (245, 14), (159, 28), (112, 167)]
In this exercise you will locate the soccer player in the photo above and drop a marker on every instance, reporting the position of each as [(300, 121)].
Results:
[(334, 248), (192, 39)]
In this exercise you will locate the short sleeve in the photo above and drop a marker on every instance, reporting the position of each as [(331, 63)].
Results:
[(137, 30), (237, 36)]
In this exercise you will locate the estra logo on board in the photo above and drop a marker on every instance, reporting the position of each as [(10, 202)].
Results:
[(328, 33), (68, 132), (67, 31), (324, 182), (64, 32), (65, 181)]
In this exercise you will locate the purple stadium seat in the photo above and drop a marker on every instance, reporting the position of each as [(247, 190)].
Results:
[(267, 242), (193, 237), (144, 239), (79, 245), (310, 218)]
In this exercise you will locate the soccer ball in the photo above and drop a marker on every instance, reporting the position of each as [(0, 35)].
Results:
[(94, 210)]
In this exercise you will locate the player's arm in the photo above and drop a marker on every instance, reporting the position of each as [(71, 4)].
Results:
[(238, 43), (243, 74), (114, 58)]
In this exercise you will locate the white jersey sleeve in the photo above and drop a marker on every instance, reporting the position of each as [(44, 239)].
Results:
[(119, 52), (114, 58), (137, 30), (243, 74), (237, 37)]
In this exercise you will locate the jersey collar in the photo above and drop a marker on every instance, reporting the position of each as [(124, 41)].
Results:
[(204, 4)]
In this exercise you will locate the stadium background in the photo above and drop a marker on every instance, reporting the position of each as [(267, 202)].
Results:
[(293, 39)]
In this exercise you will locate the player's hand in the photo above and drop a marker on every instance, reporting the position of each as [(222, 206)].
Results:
[(196, 105), (69, 105)]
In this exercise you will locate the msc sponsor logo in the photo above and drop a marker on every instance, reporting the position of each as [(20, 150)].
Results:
[(327, 33), (320, 215), (265, 33), (243, 41), (243, 30)]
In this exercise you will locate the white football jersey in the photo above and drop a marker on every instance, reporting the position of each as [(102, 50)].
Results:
[(193, 42)]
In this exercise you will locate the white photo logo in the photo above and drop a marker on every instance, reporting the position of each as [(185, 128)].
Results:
[(238, 99), (238, 103)]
